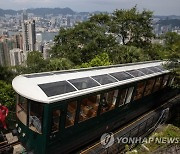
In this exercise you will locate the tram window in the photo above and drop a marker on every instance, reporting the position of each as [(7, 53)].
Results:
[(123, 94), (108, 101), (89, 107), (129, 95), (35, 116), (157, 84), (71, 113), (139, 90), (55, 120), (149, 86), (21, 109), (165, 80)]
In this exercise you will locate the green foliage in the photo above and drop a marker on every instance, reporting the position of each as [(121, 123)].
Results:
[(35, 62), (133, 27), (6, 74), (99, 34), (100, 60), (7, 95), (56, 64), (172, 47), (155, 51), (127, 54), (103, 20), (171, 38), (166, 132), (81, 43)]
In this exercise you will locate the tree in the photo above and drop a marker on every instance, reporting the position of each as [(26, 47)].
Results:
[(103, 20), (7, 95), (6, 74), (171, 38), (127, 54), (133, 27), (56, 64), (35, 63), (82, 43), (100, 60), (172, 47), (155, 51)]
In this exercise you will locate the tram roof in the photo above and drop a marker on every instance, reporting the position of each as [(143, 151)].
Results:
[(55, 86)]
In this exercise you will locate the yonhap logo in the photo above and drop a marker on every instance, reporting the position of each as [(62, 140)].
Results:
[(107, 140)]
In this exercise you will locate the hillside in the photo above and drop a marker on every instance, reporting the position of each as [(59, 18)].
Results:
[(40, 11)]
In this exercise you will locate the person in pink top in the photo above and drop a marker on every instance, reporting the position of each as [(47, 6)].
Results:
[(3, 115)]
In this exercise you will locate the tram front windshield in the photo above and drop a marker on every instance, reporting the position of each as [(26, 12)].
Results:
[(30, 113)]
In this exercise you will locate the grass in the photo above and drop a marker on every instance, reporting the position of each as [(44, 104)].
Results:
[(164, 132)]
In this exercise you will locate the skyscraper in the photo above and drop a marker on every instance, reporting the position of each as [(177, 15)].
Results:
[(24, 16), (6, 44), (29, 35), (16, 57)]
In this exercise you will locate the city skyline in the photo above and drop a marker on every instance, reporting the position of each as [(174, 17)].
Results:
[(159, 7)]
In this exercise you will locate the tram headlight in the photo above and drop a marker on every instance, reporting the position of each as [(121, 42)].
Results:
[(19, 130), (23, 135)]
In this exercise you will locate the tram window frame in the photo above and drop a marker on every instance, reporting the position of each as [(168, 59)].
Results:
[(56, 125), (129, 95), (165, 80), (171, 80), (88, 109), (71, 114), (139, 90), (122, 98), (157, 84), (149, 86), (105, 103), (21, 112)]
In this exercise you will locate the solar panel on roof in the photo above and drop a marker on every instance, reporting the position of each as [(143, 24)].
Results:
[(104, 79), (121, 76), (56, 88), (38, 75), (135, 73), (154, 69), (146, 71), (84, 83)]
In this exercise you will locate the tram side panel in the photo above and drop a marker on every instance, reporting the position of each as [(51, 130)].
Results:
[(82, 132)]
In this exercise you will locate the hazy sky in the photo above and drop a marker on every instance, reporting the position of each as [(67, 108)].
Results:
[(160, 7)]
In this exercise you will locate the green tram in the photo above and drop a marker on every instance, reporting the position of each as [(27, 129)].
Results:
[(59, 112)]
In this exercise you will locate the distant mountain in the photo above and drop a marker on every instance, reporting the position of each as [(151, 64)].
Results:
[(167, 17), (172, 22), (10, 12), (40, 11)]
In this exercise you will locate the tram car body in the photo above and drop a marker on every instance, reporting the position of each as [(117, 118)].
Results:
[(59, 112)]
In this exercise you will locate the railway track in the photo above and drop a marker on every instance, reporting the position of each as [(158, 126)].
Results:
[(8, 141)]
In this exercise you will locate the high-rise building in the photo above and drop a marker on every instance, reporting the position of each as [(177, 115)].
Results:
[(2, 56), (16, 56), (29, 35), (6, 44), (19, 41), (24, 16)]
